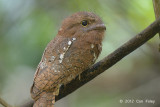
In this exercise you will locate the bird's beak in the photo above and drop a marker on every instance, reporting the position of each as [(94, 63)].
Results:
[(97, 27), (100, 27)]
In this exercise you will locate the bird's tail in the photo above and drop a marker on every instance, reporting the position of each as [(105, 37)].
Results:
[(46, 100)]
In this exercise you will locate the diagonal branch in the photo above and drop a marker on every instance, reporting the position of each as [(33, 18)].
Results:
[(108, 61), (4, 103), (156, 6)]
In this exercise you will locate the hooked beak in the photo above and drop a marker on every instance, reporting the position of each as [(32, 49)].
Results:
[(97, 27), (100, 27)]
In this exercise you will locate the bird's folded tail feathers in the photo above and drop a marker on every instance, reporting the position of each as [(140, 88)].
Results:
[(35, 92), (46, 100)]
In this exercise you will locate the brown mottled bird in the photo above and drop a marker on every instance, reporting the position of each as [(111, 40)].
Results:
[(75, 48)]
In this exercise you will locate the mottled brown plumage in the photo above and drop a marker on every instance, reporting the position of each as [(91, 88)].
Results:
[(75, 48)]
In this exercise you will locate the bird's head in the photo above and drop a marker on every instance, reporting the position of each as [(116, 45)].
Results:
[(85, 25)]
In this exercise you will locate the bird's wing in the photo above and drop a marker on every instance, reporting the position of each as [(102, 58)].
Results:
[(49, 72)]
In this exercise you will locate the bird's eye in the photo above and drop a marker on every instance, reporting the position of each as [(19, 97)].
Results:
[(84, 23)]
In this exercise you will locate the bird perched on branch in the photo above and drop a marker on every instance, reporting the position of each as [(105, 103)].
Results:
[(75, 48)]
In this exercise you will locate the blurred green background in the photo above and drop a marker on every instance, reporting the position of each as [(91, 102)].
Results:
[(26, 26)]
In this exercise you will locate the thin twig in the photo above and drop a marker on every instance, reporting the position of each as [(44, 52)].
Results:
[(108, 61), (4, 103), (156, 6)]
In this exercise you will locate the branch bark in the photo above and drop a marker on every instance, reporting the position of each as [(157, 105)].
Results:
[(156, 6), (4, 103), (108, 61)]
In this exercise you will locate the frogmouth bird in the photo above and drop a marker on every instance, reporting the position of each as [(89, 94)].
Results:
[(75, 48)]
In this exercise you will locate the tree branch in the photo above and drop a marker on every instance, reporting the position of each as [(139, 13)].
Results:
[(156, 6), (108, 61), (4, 103)]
